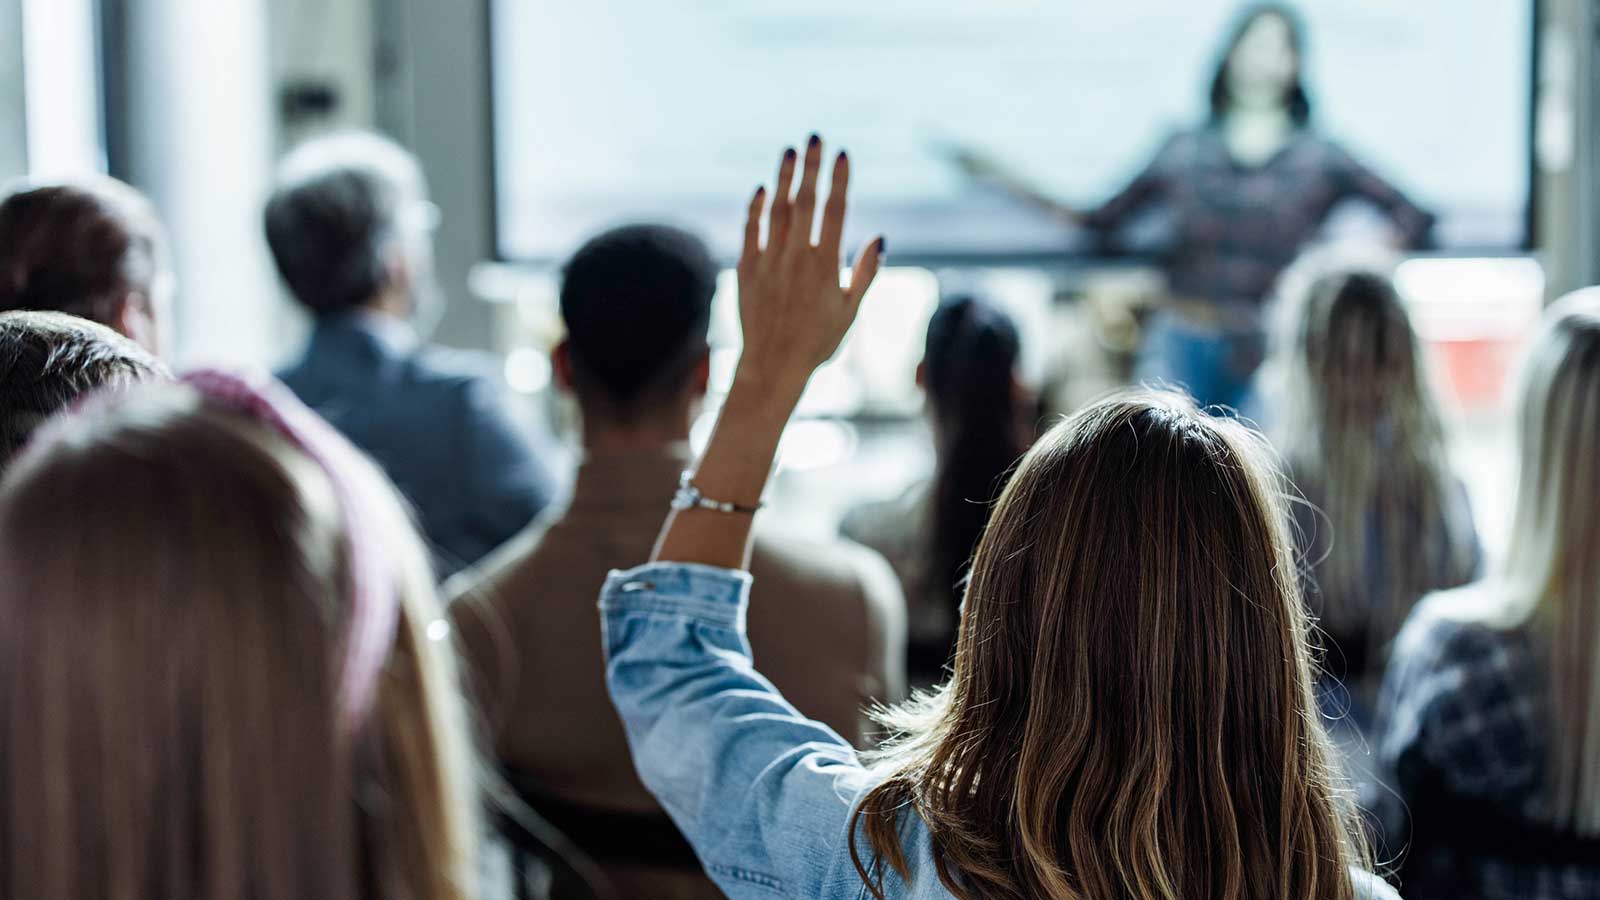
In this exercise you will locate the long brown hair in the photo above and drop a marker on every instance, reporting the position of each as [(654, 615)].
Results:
[(1130, 714), (1553, 562), (174, 592), (1360, 432)]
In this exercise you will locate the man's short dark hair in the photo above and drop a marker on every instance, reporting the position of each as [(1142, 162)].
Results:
[(335, 217), (49, 359), (637, 301), (77, 246)]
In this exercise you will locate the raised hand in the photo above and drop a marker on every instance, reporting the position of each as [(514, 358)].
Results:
[(794, 314), (792, 308)]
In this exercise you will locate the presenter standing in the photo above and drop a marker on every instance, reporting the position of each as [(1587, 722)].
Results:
[(1245, 192)]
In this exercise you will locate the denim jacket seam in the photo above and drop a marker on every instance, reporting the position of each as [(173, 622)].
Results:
[(748, 876)]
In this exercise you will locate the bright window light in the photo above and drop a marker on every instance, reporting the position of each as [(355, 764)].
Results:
[(60, 87)]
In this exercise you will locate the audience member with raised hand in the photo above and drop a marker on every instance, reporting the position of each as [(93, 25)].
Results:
[(223, 673), (828, 627), (1489, 718), (1386, 519), (49, 360), (92, 248), (981, 417), (1131, 711), (351, 231)]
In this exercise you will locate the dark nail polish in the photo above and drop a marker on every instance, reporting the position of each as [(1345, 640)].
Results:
[(883, 246), (842, 156), (815, 140), (788, 154), (761, 190)]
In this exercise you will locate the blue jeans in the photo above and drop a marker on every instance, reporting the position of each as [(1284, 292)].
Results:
[(1216, 364)]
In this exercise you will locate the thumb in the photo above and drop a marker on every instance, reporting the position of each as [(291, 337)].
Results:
[(866, 269)]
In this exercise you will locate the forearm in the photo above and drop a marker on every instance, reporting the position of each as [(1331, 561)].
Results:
[(753, 784), (735, 467)]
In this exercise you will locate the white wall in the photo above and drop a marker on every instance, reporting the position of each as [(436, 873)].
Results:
[(329, 42), (1565, 149), (413, 69), (435, 99)]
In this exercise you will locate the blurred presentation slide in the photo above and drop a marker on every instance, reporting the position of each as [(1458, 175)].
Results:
[(617, 110)]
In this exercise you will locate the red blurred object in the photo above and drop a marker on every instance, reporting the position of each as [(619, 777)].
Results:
[(1474, 374)]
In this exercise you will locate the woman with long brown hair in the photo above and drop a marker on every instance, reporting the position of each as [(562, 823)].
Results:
[(1350, 409), (1490, 714), (980, 418), (223, 671), (1130, 714)]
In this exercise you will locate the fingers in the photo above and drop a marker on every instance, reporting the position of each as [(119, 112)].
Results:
[(782, 205), (866, 269), (833, 212), (752, 227), (805, 203)]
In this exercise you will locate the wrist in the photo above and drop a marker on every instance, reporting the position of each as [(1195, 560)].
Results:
[(776, 392)]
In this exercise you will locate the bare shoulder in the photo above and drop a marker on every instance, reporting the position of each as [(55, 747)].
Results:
[(492, 575), (889, 522), (837, 567)]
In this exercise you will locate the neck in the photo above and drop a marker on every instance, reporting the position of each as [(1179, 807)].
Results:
[(394, 304), (609, 437), (1257, 108)]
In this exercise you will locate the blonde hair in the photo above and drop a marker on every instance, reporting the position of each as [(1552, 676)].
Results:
[(1130, 714), (174, 589), (1553, 561), (1356, 421)]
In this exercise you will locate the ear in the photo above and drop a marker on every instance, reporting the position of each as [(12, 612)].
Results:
[(397, 270), (561, 365), (132, 315), (700, 375), (922, 375)]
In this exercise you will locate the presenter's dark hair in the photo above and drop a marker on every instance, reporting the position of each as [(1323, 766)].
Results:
[(1295, 98)]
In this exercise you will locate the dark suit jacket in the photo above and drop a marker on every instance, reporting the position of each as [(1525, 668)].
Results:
[(434, 420)]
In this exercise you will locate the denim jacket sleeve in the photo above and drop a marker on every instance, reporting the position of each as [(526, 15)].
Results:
[(762, 793)]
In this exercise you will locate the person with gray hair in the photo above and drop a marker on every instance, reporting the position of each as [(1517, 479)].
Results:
[(350, 227)]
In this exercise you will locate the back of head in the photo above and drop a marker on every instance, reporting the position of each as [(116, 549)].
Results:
[(969, 365), (79, 247), (175, 588), (1359, 427), (1131, 713), (343, 207), (49, 360), (636, 301), (1554, 556)]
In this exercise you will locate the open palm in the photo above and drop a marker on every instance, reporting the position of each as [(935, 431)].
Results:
[(792, 308)]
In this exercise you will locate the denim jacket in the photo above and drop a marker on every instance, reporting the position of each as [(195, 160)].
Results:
[(763, 794)]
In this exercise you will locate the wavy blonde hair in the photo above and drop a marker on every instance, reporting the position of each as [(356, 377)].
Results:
[(1356, 420), (1130, 714), (173, 591), (1553, 561)]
